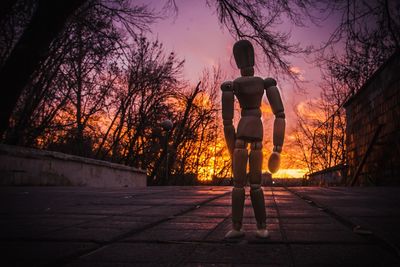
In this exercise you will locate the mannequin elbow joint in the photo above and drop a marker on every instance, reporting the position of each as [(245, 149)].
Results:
[(280, 114)]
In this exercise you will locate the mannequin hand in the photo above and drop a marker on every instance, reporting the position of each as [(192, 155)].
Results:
[(274, 162)]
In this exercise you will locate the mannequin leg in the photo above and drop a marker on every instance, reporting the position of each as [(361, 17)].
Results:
[(238, 197), (256, 192), (240, 156)]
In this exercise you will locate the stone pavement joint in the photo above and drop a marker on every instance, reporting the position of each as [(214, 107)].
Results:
[(145, 227), (283, 232), (185, 226), (381, 240)]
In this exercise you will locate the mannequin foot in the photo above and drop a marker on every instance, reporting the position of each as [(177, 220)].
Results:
[(234, 234), (262, 233)]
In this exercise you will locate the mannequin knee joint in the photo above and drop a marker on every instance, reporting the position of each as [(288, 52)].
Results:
[(255, 186), (238, 185)]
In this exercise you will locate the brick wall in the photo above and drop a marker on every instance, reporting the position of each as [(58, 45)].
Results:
[(376, 103)]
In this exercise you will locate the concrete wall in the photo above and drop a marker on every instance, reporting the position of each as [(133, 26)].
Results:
[(25, 166), (376, 103), (332, 176), (326, 179)]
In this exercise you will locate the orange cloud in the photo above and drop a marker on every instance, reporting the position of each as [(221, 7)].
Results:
[(310, 109), (297, 72)]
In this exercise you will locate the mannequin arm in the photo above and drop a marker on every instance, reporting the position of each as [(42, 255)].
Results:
[(227, 115), (275, 101)]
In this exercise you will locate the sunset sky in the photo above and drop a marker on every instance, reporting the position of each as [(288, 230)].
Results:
[(196, 36)]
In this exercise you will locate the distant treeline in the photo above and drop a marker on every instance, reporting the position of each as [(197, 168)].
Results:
[(103, 90)]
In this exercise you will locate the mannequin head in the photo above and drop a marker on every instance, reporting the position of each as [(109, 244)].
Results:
[(243, 52)]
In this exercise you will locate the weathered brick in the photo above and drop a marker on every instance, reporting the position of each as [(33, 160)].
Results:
[(378, 102)]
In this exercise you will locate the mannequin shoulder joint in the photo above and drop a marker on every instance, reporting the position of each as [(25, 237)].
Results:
[(227, 86), (268, 82)]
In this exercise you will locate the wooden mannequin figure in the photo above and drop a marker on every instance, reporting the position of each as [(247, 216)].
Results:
[(249, 90)]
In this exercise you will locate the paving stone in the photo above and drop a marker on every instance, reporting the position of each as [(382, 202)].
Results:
[(372, 208), (136, 253), (169, 226), (306, 220), (160, 234), (221, 202), (97, 210), (211, 211), (134, 218), (252, 226), (85, 234), (300, 213), (249, 212), (314, 227), (161, 211), (187, 226), (38, 253), (264, 254), (65, 220), (386, 227), (324, 236), (25, 232), (365, 211), (259, 265), (202, 264), (115, 264), (219, 234), (342, 255), (196, 219), (112, 223)]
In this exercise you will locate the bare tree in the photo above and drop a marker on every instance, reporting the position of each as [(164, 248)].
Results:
[(14, 17), (29, 39), (82, 58), (46, 23), (88, 75), (40, 101), (141, 103), (369, 31), (197, 149)]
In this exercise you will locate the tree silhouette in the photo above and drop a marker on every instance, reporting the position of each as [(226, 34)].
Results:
[(48, 20)]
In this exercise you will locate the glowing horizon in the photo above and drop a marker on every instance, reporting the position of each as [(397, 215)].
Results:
[(289, 173)]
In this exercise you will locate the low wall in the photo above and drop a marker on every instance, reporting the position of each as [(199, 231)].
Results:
[(26, 166), (335, 175)]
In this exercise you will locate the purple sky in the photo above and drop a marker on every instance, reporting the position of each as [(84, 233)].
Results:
[(196, 36)]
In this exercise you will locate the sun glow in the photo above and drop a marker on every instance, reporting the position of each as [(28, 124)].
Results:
[(205, 174), (290, 173), (213, 161)]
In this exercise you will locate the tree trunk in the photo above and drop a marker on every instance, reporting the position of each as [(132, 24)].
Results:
[(33, 46)]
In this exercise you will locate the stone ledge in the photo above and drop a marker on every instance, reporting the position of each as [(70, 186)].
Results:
[(27, 166), (39, 154)]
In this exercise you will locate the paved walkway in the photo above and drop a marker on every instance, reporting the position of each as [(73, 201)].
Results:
[(184, 226)]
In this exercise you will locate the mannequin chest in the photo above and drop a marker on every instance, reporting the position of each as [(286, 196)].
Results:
[(249, 91)]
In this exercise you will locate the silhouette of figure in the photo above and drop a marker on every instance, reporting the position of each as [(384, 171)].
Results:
[(249, 90)]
